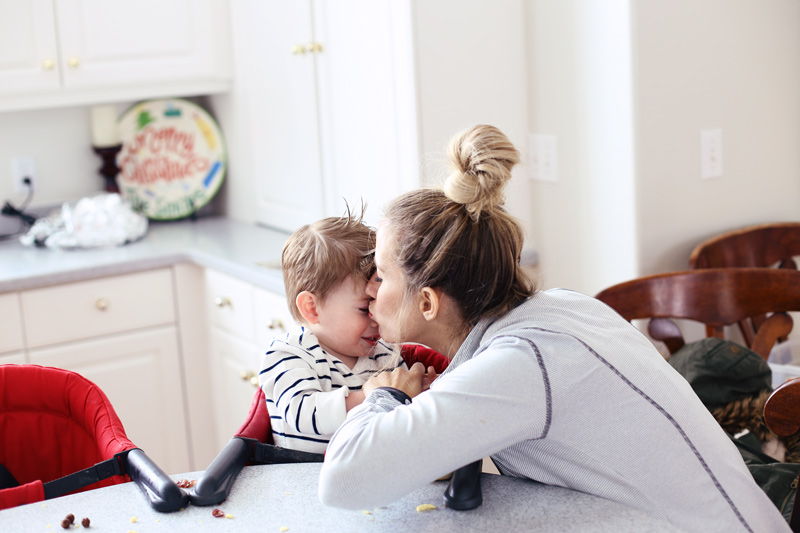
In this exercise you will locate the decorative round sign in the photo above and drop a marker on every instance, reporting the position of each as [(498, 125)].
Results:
[(173, 158)]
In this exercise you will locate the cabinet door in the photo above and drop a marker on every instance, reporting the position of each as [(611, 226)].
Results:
[(141, 375), (28, 50), (11, 319), (272, 316), (367, 108), (234, 364), (118, 43), (289, 186)]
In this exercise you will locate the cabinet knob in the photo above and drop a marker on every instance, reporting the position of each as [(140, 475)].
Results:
[(101, 304), (314, 47), (254, 381), (48, 64), (222, 301), (298, 49), (275, 323), (74, 62)]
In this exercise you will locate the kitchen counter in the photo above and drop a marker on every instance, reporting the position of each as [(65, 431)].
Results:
[(272, 497), (249, 252)]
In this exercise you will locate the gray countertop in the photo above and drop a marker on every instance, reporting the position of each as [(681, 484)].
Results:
[(272, 497), (249, 252)]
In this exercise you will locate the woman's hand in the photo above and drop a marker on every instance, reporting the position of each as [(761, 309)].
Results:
[(411, 382)]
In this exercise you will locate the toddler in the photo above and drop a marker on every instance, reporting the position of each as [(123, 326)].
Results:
[(313, 375)]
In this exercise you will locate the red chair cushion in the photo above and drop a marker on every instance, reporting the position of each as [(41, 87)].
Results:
[(54, 422)]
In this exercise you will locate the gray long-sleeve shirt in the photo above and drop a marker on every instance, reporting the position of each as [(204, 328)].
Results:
[(563, 391)]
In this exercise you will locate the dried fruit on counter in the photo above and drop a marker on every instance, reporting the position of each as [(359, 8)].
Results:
[(66, 523), (85, 522), (186, 484), (70, 517)]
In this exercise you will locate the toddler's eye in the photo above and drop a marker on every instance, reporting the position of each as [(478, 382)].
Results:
[(378, 280)]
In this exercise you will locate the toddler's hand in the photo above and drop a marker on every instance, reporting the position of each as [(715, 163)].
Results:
[(428, 378)]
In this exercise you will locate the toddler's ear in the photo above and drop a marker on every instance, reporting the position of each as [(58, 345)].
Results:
[(306, 303)]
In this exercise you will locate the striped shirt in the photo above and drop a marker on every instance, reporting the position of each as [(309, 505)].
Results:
[(563, 391), (306, 388)]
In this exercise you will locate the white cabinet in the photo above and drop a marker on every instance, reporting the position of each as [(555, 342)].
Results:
[(141, 375), (84, 51), (336, 110), (119, 332), (11, 338), (242, 319), (357, 97)]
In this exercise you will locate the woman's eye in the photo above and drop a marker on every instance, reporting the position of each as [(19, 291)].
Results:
[(364, 310)]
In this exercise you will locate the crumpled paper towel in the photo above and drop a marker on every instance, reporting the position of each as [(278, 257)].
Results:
[(102, 221)]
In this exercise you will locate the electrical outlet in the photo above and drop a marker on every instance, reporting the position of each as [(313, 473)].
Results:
[(710, 154), (23, 167)]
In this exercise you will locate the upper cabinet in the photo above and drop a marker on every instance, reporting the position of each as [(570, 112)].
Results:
[(74, 52), (336, 110), (354, 96)]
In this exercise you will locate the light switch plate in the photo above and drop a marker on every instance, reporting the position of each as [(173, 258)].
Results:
[(543, 151), (711, 154)]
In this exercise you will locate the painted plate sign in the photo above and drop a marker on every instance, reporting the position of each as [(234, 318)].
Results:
[(173, 158)]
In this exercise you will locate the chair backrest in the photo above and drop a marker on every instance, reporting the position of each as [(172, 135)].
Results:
[(764, 245), (54, 422), (715, 297)]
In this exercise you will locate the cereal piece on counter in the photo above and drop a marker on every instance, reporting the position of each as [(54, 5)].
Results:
[(218, 513), (228, 515), (284, 529), (367, 512), (133, 519), (425, 507)]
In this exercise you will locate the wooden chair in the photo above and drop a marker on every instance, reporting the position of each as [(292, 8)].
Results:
[(764, 245), (716, 297), (782, 417)]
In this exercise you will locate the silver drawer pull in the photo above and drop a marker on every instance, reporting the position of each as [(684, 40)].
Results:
[(221, 301), (101, 304)]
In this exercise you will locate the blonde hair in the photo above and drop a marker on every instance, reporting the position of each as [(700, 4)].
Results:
[(459, 238), (319, 256)]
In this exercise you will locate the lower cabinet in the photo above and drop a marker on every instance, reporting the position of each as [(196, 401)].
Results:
[(141, 375), (176, 350), (234, 365)]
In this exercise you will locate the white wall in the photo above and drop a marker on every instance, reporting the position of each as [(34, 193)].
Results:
[(729, 64), (692, 66)]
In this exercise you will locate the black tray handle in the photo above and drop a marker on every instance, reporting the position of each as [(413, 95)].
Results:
[(163, 493), (216, 482)]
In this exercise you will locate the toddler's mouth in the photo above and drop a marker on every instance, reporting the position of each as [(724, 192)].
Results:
[(371, 340)]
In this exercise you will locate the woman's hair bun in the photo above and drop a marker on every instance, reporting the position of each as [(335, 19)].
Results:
[(481, 158)]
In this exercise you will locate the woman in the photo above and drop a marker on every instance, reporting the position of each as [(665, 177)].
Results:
[(553, 385)]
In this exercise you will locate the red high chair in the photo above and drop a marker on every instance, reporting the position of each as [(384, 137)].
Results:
[(59, 434), (253, 443)]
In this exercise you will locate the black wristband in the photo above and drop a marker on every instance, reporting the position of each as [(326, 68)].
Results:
[(397, 394)]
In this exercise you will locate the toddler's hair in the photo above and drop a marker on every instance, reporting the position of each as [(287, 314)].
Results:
[(319, 256)]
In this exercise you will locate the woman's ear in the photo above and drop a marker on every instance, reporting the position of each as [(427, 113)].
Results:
[(306, 303), (429, 303)]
